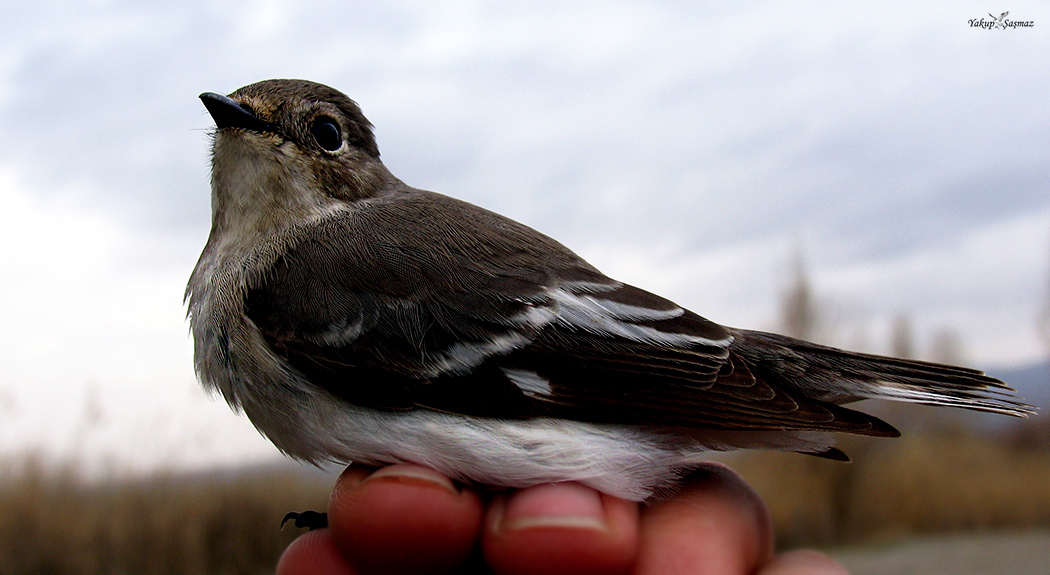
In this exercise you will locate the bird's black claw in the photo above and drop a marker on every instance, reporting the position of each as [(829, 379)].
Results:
[(308, 519)]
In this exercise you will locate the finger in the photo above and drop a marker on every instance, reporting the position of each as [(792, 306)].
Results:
[(803, 562), (313, 553), (717, 524), (403, 519), (560, 528)]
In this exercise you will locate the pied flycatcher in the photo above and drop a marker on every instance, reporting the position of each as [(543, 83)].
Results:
[(355, 318)]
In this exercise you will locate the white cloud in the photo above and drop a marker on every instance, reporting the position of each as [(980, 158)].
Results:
[(980, 286), (97, 359)]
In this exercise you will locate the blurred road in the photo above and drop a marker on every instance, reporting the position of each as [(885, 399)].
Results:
[(993, 553)]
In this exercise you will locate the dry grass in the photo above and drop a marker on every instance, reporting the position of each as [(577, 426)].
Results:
[(51, 522), (935, 479)]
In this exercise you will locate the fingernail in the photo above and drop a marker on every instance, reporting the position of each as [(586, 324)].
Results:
[(553, 505), (412, 474)]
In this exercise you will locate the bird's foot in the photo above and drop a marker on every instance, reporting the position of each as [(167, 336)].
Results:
[(308, 519)]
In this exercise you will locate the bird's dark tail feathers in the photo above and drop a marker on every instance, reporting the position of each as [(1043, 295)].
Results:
[(838, 376)]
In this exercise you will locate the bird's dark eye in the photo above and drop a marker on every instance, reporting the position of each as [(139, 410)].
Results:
[(326, 132)]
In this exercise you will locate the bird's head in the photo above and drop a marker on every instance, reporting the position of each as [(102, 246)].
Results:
[(284, 149)]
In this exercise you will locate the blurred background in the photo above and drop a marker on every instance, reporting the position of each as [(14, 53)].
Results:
[(872, 177)]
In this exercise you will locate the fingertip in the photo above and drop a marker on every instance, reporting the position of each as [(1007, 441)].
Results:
[(717, 519), (313, 553), (403, 519), (560, 528), (351, 477)]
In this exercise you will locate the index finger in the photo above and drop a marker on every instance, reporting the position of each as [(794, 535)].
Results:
[(403, 519)]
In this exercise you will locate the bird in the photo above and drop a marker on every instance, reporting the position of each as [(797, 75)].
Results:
[(354, 318)]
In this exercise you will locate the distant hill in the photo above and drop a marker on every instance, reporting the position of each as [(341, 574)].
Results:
[(1031, 382)]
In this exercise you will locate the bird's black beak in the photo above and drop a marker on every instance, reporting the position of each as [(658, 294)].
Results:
[(229, 113)]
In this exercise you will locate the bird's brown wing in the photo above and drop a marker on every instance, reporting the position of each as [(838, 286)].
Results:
[(468, 312)]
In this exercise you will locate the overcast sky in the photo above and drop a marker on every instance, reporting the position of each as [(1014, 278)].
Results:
[(684, 148)]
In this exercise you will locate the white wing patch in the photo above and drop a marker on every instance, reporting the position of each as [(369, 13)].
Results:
[(597, 315), (341, 333), (577, 306), (463, 357), (632, 312), (529, 382)]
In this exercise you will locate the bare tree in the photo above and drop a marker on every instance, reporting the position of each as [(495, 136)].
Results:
[(1043, 323), (799, 310), (902, 339), (946, 347)]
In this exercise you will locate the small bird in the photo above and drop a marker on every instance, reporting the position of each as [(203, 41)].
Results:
[(352, 317)]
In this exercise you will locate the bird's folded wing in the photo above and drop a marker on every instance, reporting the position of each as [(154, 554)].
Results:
[(506, 324)]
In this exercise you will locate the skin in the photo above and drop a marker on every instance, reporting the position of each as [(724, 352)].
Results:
[(410, 519)]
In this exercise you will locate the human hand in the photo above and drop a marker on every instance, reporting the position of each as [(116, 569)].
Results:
[(410, 519)]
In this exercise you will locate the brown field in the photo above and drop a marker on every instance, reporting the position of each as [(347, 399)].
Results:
[(933, 481), (51, 522)]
